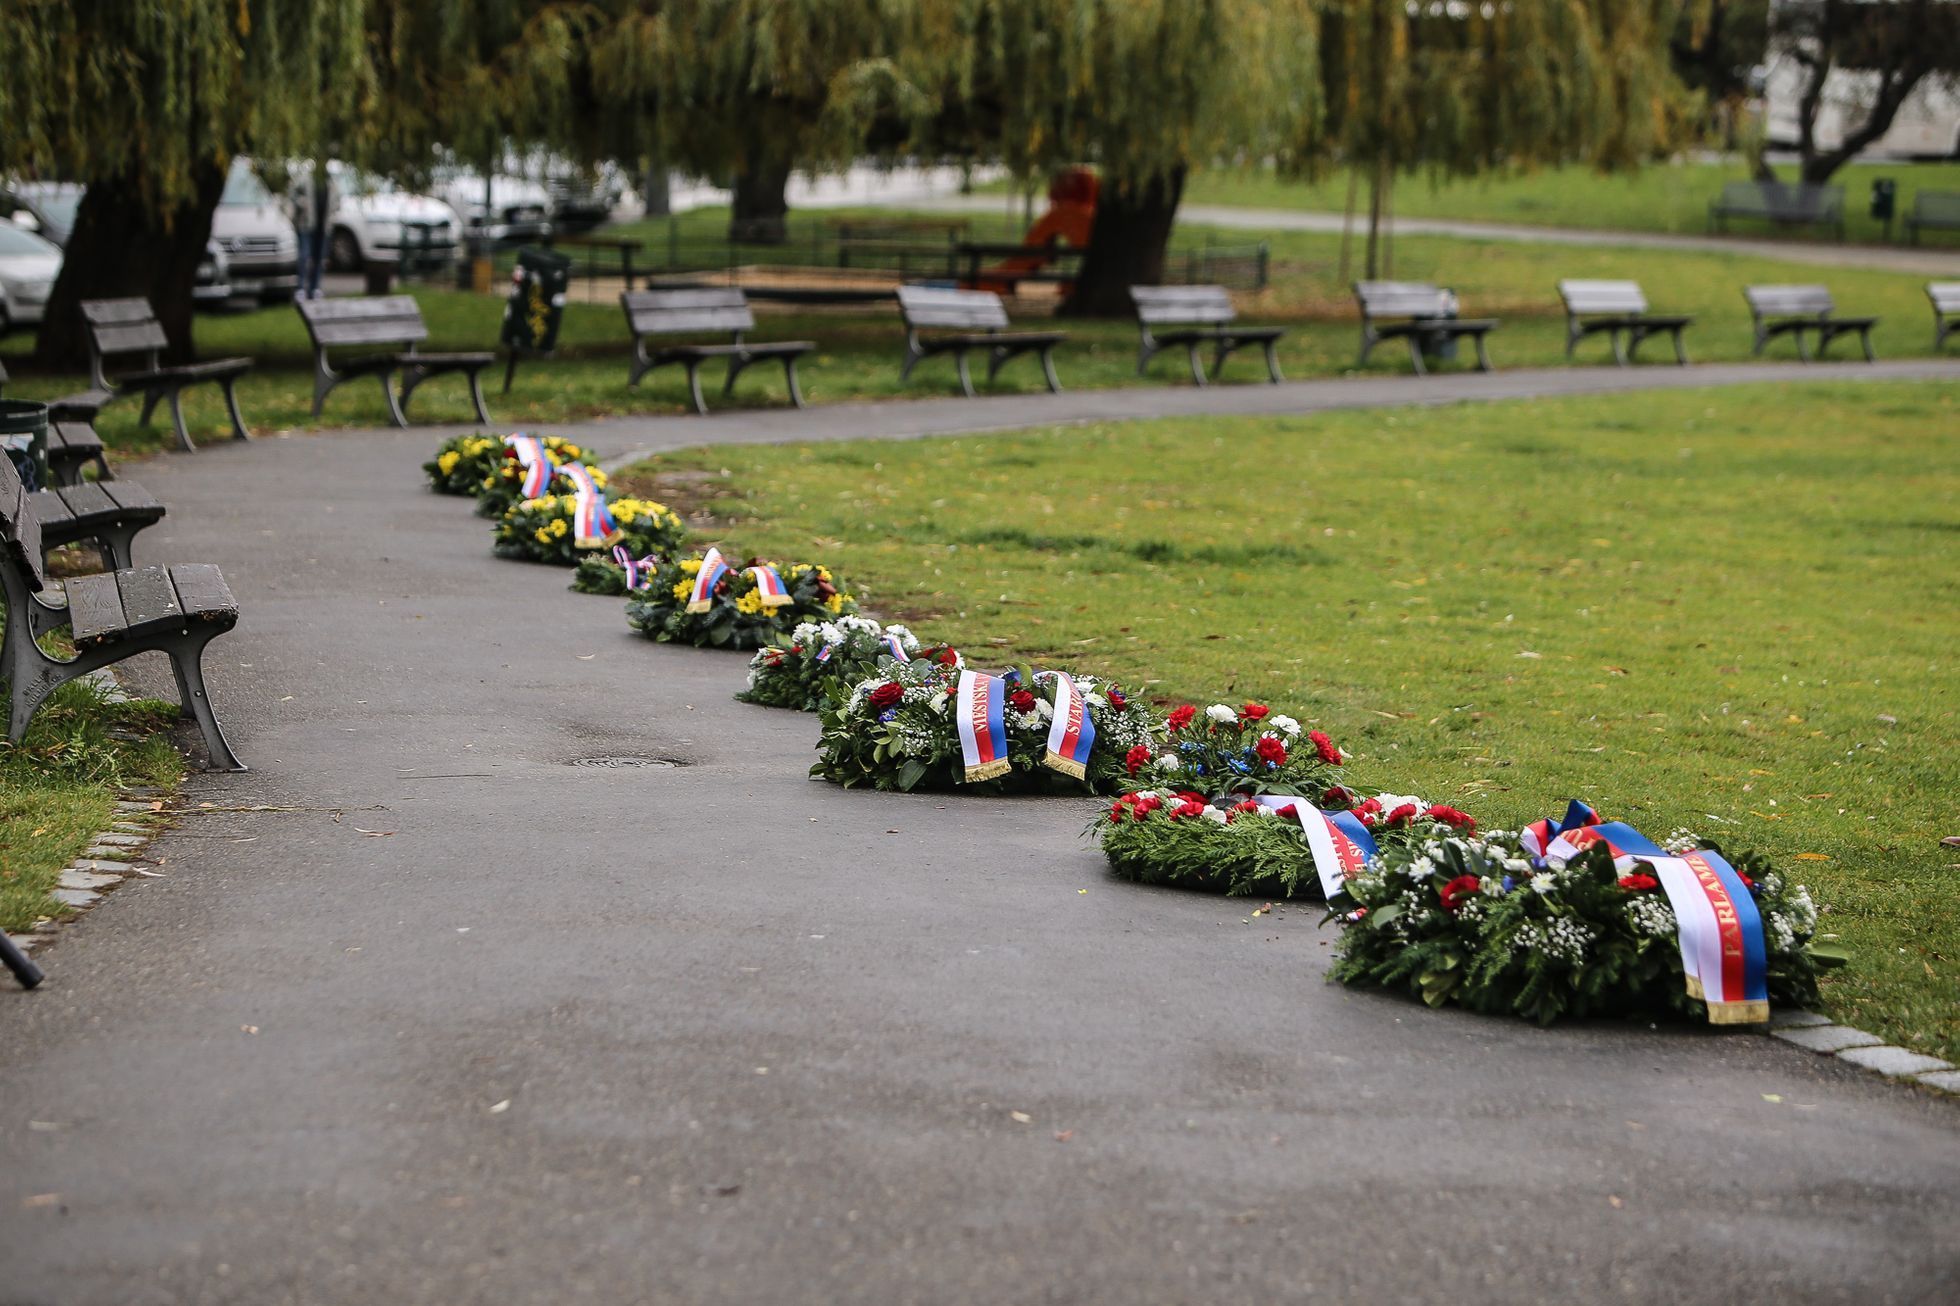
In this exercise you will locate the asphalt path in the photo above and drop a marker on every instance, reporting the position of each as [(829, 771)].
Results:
[(424, 1011)]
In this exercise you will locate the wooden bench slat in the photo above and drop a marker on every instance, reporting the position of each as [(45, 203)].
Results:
[(130, 497), (95, 610), (49, 509), (133, 338), (87, 501), (1945, 295), (656, 321), (202, 593), (931, 306), (149, 600)]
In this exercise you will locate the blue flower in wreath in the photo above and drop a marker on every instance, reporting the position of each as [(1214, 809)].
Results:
[(1238, 764), (1509, 884), (889, 714)]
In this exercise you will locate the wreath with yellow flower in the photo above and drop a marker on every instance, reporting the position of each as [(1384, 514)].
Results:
[(542, 529), (462, 462), (736, 616), (504, 487)]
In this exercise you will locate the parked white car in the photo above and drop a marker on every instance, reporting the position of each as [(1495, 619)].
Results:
[(28, 267), (251, 227), (374, 217), (519, 208)]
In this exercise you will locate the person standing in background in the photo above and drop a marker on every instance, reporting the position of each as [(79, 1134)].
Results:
[(311, 199)]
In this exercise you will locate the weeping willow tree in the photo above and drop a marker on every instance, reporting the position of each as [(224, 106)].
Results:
[(1143, 89), (147, 104), (1457, 89), (757, 88)]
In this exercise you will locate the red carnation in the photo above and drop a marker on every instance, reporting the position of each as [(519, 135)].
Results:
[(1021, 700), (1450, 816), (1406, 812), (1116, 811), (1638, 882), (1337, 796), (1271, 750), (1118, 700), (1135, 758), (1457, 890), (1191, 796), (1189, 808), (1254, 711), (1245, 808), (1325, 747), (886, 695), (1181, 716), (1148, 803), (1370, 812)]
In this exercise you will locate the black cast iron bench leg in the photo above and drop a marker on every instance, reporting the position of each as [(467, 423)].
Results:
[(19, 962), (187, 660)]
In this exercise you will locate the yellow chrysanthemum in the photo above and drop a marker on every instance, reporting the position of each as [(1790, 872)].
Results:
[(560, 528), (680, 590), (543, 535), (835, 603), (690, 566), (598, 477), (749, 604), (447, 461)]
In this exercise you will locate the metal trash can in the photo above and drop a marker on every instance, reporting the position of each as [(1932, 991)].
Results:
[(24, 435), (1440, 346)]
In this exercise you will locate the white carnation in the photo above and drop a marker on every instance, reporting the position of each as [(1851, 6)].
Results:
[(1286, 725), (1214, 815), (1169, 762), (1221, 714)]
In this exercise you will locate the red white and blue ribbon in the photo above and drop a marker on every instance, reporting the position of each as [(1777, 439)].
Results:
[(980, 707), (713, 568), (593, 526), (1071, 735), (1723, 953), (536, 461), (639, 571), (1341, 845), (897, 646), (769, 587)]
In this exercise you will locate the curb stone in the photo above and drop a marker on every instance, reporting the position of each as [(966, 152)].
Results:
[(1815, 1032)]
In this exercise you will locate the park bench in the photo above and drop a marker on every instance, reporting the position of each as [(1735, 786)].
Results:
[(1946, 309), (967, 320), (111, 616), (72, 441), (1199, 315), (1782, 204), (1619, 309), (1933, 210), (1420, 313), (108, 512), (704, 311), (130, 326), (375, 324), (1793, 310)]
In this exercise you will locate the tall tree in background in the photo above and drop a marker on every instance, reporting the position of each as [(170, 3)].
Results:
[(1896, 45), (1143, 89), (1716, 47), (756, 88), (147, 104), (1462, 89)]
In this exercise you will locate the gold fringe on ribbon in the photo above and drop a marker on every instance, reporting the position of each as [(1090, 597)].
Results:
[(774, 601), (700, 605), (988, 770), (1738, 1013), (1694, 989), (1066, 765)]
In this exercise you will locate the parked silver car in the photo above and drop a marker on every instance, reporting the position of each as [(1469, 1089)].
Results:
[(260, 246), (28, 267)]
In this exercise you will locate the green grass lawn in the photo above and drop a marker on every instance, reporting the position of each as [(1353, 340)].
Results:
[(859, 351), (1666, 197), (58, 789), (1732, 611)]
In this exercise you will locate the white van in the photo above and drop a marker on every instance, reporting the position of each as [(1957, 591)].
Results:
[(260, 247)]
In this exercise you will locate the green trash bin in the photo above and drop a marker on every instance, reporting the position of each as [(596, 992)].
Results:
[(24, 435)]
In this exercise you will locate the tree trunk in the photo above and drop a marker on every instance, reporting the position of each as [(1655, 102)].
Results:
[(761, 210), (656, 190), (118, 248), (1127, 243)]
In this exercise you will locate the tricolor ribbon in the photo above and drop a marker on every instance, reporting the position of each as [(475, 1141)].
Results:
[(980, 706), (592, 522), (1071, 734), (769, 587), (1723, 953), (639, 571), (1341, 845), (536, 461), (701, 597), (897, 646)]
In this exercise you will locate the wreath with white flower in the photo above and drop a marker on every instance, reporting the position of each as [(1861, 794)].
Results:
[(1243, 750), (1479, 921), (1237, 845), (896, 730), (795, 674)]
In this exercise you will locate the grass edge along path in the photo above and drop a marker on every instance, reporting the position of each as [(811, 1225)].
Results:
[(1684, 607), (59, 786)]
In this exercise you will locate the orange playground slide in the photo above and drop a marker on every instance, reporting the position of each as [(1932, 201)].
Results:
[(1070, 216)]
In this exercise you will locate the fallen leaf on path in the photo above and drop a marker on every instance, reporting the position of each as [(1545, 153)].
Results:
[(499, 1108), (1020, 1117), (1064, 1135), (1951, 841), (1813, 857), (248, 1029), (373, 834), (42, 1199)]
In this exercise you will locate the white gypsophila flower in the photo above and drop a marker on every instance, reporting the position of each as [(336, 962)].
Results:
[(1221, 714), (1286, 725), (1681, 841), (1213, 815), (1650, 914), (1542, 882), (1169, 762), (1803, 912), (1782, 934), (921, 694)]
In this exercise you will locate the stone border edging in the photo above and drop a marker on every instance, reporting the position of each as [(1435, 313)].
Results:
[(1815, 1032)]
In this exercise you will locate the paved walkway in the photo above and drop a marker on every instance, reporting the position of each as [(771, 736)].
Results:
[(424, 1012), (1931, 262)]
